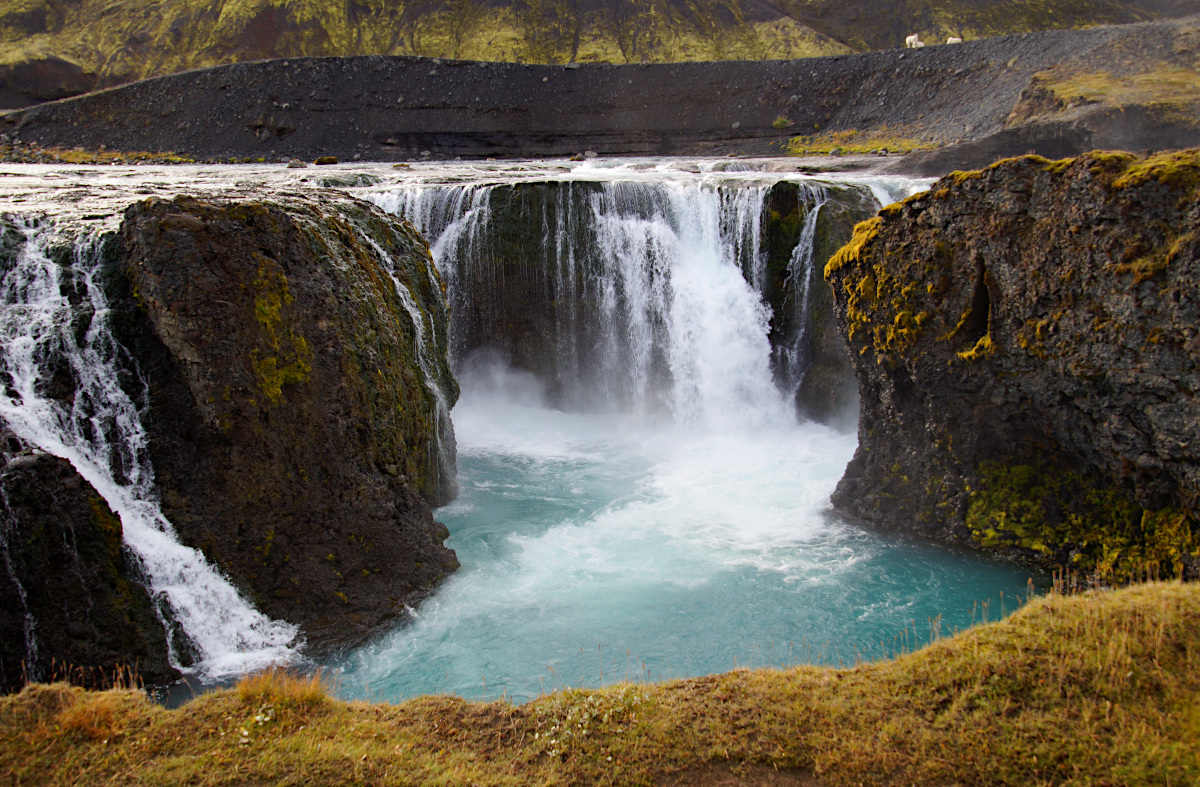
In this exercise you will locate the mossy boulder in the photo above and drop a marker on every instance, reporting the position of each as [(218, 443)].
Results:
[(73, 605), (295, 350), (1026, 340)]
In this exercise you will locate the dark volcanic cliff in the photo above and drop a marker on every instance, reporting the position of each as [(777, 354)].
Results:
[(1027, 344), (286, 359), (72, 599), (294, 416)]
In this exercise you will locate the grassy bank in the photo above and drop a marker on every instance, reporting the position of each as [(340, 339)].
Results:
[(1091, 689)]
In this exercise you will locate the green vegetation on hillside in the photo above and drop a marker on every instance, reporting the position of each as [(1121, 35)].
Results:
[(1168, 86), (133, 39), (1099, 688)]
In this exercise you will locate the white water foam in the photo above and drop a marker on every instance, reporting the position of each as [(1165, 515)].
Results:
[(101, 435)]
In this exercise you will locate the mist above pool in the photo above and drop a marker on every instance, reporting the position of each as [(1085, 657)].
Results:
[(600, 548)]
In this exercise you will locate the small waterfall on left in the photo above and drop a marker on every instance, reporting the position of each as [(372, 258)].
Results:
[(55, 320)]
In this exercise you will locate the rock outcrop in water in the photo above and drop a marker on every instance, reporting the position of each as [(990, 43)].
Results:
[(72, 599), (1027, 344), (802, 322), (288, 359), (295, 350)]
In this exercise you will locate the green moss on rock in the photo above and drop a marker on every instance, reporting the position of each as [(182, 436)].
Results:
[(1077, 521), (300, 380), (1047, 399)]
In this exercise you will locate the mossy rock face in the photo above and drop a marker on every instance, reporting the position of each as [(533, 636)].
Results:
[(296, 354), (72, 602), (823, 376), (1037, 314)]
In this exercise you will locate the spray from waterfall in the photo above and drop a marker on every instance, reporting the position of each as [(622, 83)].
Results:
[(653, 288), (55, 317)]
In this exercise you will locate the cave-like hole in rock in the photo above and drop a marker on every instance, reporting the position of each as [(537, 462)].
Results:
[(979, 314)]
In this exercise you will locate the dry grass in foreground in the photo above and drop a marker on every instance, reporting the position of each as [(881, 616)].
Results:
[(1099, 688)]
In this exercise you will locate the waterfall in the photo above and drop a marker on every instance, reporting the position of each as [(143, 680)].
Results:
[(646, 296), (55, 321), (792, 357), (425, 341), (673, 264)]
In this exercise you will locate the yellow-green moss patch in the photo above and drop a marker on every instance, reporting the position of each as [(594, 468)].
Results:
[(1058, 513)]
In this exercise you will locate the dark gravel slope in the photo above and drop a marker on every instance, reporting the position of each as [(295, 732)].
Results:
[(394, 108)]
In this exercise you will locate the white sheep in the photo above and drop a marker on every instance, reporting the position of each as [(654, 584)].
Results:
[(953, 40), (913, 41)]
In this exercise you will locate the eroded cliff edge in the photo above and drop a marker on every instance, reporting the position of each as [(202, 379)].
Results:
[(295, 350), (287, 356), (1026, 340)]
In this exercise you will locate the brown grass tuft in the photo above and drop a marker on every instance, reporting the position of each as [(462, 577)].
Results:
[(284, 689)]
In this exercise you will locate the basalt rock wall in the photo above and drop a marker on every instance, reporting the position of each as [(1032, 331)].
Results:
[(73, 602), (1027, 348), (294, 417), (288, 358)]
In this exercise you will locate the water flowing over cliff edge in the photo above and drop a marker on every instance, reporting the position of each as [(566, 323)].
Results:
[(258, 390), (295, 377)]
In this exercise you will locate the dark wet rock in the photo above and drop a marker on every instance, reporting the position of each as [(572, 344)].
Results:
[(72, 601), (809, 351), (293, 424), (1026, 345)]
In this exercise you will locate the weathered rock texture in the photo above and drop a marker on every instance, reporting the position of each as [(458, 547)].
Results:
[(72, 599), (1026, 340), (293, 418)]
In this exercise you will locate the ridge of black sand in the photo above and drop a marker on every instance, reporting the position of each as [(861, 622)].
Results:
[(381, 108)]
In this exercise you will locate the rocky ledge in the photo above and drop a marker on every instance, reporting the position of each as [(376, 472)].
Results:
[(1026, 340)]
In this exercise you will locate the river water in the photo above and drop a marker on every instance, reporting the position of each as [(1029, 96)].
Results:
[(614, 525), (649, 508)]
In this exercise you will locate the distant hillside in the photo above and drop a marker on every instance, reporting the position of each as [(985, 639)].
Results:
[(865, 25), (54, 48)]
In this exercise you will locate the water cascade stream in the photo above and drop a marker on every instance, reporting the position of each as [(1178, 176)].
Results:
[(637, 497), (214, 631)]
